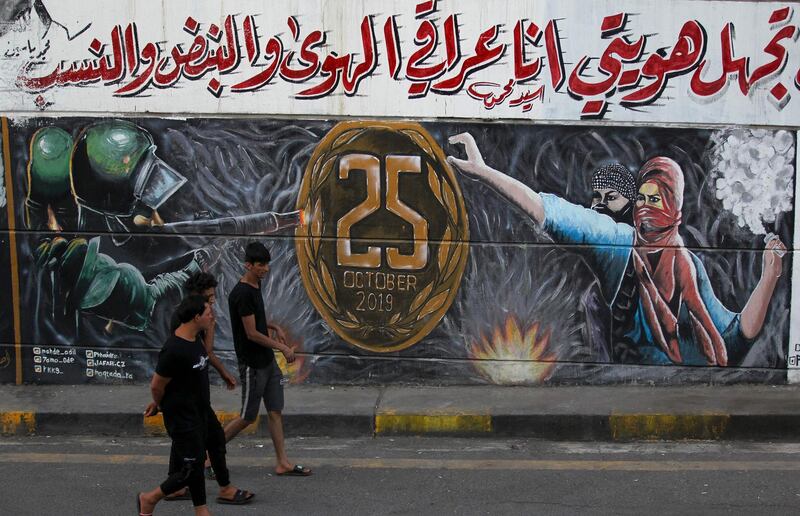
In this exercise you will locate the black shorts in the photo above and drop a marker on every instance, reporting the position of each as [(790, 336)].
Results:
[(260, 384)]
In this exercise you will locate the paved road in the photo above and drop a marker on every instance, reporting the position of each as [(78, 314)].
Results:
[(43, 475)]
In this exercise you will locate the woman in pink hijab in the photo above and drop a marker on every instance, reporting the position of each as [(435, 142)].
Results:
[(670, 275)]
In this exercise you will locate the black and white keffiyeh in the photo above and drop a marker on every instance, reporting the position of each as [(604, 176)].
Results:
[(616, 177)]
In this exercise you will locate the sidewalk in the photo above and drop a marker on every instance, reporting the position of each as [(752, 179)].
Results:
[(751, 412)]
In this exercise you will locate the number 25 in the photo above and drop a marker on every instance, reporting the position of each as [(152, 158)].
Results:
[(371, 165)]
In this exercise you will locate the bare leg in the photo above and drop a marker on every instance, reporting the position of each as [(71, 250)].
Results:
[(179, 492), (275, 425), (233, 428), (149, 500)]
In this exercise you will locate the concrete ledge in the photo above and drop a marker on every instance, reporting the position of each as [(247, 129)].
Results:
[(17, 422), (118, 423), (764, 427), (569, 413), (672, 427), (616, 427), (559, 427), (321, 425), (427, 424)]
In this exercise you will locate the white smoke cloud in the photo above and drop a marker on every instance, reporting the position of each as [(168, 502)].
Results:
[(753, 174)]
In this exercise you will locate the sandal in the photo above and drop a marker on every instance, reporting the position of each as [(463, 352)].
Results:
[(296, 471), (240, 498)]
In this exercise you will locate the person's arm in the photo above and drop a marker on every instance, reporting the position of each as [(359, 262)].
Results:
[(213, 359), (227, 377), (604, 242), (754, 312), (519, 194), (278, 331), (249, 323), (157, 387)]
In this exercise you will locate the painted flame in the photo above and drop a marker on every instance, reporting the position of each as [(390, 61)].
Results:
[(513, 357)]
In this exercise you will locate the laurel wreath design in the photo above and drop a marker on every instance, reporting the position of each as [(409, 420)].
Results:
[(452, 251)]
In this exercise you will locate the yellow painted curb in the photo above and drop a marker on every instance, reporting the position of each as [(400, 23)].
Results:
[(154, 426), (12, 423), (390, 423), (668, 426)]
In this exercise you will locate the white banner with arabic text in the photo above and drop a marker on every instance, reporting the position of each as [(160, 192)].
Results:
[(683, 62)]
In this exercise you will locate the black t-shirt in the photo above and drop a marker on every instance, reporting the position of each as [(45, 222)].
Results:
[(186, 397), (246, 300)]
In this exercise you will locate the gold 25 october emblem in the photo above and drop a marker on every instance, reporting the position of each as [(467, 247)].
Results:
[(386, 243)]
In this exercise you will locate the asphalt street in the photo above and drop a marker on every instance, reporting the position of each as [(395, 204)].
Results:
[(415, 476)]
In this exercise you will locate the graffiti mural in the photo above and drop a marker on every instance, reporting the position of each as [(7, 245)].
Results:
[(105, 178), (663, 305), (8, 352), (377, 302), (431, 253)]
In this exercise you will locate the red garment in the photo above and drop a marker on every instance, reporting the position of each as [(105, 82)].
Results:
[(664, 267)]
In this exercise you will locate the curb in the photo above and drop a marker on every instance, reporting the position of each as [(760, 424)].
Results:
[(15, 422), (26, 423), (707, 427), (390, 423), (559, 427)]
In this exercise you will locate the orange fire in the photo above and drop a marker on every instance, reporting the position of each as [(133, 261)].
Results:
[(297, 371), (512, 357)]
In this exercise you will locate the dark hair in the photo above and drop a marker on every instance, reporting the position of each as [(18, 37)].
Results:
[(255, 252), (199, 283), (189, 308)]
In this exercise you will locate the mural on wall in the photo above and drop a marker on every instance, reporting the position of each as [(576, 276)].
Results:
[(376, 302), (109, 179), (663, 304), (682, 61), (404, 252), (7, 351)]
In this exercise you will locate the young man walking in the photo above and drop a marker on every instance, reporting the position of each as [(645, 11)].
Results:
[(180, 390), (259, 373), (204, 284)]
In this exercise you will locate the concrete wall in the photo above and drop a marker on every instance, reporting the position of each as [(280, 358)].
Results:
[(435, 222)]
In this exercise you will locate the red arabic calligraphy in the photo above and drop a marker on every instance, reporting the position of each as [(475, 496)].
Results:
[(439, 62)]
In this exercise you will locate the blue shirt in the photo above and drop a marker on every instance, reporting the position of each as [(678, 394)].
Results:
[(607, 246)]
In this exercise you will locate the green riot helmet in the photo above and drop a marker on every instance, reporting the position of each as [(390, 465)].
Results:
[(115, 167), (48, 179)]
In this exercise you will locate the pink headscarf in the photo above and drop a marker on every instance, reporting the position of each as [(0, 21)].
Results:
[(664, 287)]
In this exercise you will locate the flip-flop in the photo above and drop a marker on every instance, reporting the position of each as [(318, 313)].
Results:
[(139, 506), (296, 471), (240, 498), (187, 495)]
